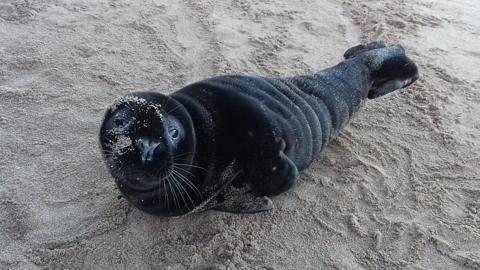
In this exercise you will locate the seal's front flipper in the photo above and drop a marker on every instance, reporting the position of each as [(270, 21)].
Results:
[(240, 200), (245, 204), (234, 197), (277, 176)]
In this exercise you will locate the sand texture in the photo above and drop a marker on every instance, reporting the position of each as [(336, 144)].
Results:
[(398, 189)]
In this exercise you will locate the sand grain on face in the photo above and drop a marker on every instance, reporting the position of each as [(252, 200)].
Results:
[(398, 189)]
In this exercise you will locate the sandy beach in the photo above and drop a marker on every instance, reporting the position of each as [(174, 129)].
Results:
[(398, 189)]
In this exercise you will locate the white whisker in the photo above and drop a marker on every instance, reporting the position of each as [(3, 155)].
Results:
[(166, 192), (177, 185), (185, 191), (175, 198), (173, 108), (190, 165), (184, 170), (183, 154), (189, 183)]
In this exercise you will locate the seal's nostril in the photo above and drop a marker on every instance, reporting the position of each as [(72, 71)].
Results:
[(150, 154), (144, 158), (147, 155), (147, 149), (140, 144)]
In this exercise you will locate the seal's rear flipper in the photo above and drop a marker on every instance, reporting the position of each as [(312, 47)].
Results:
[(245, 203), (390, 69), (354, 51)]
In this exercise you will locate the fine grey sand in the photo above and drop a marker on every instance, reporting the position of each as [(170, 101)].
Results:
[(398, 189)]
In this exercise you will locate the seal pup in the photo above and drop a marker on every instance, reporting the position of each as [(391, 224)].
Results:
[(231, 142)]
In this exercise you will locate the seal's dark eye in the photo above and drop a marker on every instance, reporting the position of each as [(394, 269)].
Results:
[(173, 133), (120, 122)]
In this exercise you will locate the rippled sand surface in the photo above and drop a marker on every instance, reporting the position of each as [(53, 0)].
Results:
[(398, 189)]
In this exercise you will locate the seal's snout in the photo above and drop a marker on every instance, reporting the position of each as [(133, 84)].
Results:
[(151, 152), (147, 149)]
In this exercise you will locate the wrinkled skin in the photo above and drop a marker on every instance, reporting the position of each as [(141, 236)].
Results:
[(229, 142)]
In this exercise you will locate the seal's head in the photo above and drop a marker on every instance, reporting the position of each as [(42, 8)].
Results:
[(148, 141), (389, 67)]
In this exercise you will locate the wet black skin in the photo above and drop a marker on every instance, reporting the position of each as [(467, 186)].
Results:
[(267, 130)]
